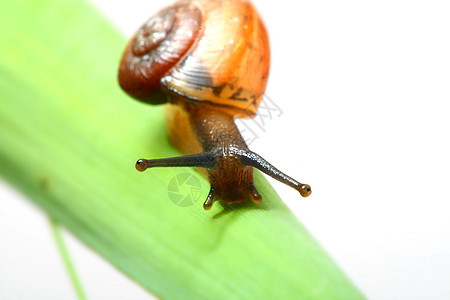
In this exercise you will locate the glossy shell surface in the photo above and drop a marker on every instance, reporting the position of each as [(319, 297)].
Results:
[(219, 55), (229, 62)]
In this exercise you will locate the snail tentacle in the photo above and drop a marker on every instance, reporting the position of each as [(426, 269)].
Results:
[(199, 160), (253, 159), (209, 200)]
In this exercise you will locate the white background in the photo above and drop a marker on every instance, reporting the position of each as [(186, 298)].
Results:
[(364, 88)]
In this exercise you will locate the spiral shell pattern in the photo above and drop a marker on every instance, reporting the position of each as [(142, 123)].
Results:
[(200, 50)]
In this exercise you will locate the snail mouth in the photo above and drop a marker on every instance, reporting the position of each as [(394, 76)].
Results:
[(240, 195), (233, 196), (232, 188), (230, 199)]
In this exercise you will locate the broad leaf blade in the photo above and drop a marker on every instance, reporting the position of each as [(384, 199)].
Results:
[(69, 140)]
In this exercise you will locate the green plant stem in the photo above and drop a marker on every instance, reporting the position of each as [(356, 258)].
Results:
[(65, 256)]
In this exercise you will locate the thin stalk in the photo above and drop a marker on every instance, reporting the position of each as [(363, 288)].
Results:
[(65, 256)]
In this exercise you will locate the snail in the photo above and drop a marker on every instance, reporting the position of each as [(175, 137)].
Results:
[(209, 61)]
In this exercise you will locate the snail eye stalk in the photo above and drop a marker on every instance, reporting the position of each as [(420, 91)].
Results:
[(200, 160), (252, 159)]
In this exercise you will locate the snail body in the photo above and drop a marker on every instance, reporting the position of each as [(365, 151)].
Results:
[(210, 61)]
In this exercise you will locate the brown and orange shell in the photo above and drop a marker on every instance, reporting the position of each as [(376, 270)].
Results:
[(200, 50)]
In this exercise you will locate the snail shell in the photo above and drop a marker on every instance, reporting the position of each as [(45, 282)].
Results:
[(201, 50)]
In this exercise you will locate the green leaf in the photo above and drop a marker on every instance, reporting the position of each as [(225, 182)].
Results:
[(69, 140)]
